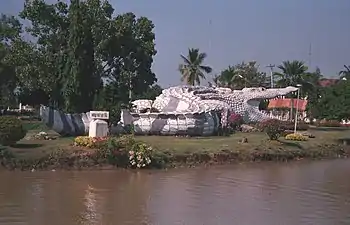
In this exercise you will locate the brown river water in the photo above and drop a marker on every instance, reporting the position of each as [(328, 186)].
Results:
[(316, 192)]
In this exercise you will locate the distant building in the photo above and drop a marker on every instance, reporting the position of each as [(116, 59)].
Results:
[(281, 108), (288, 103), (327, 82)]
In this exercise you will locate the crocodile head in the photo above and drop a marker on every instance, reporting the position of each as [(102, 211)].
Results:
[(251, 98), (244, 102)]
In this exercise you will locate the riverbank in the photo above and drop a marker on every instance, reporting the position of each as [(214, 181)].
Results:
[(169, 152)]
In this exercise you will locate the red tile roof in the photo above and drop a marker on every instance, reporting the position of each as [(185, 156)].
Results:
[(287, 103), (327, 82)]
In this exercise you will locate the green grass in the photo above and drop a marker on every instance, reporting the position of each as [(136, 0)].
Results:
[(36, 126), (189, 149), (29, 149), (182, 145)]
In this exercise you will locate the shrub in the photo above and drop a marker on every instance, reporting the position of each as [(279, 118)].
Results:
[(328, 123), (296, 137), (89, 142), (124, 151), (235, 121), (272, 127), (140, 155), (11, 130)]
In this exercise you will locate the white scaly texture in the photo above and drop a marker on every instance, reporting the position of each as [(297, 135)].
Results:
[(198, 99), (179, 106), (142, 104)]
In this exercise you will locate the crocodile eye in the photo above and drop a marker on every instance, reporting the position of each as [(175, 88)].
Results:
[(263, 89)]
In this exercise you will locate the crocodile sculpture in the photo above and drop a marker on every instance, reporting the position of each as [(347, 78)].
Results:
[(191, 110), (199, 110)]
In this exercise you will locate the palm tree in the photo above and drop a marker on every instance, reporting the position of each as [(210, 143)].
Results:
[(345, 74), (192, 69), (291, 74), (226, 77)]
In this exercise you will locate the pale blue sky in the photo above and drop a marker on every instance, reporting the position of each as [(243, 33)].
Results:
[(268, 31)]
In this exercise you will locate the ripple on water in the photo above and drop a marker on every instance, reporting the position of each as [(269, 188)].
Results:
[(295, 193)]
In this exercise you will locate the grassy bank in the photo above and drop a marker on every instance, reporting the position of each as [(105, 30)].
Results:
[(172, 151)]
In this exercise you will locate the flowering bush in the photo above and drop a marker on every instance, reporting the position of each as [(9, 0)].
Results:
[(89, 142), (272, 127), (296, 137), (140, 155), (123, 151), (235, 121)]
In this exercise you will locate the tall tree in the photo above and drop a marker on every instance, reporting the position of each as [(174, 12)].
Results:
[(334, 102), (81, 82), (10, 29), (128, 56), (192, 69), (76, 45), (312, 91)]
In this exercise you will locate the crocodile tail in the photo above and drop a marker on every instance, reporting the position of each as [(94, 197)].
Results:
[(64, 123)]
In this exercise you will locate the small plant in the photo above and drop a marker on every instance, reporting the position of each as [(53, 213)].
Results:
[(89, 142), (140, 155), (11, 130), (272, 127), (296, 137)]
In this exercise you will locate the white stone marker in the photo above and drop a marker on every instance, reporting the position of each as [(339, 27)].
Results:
[(98, 125)]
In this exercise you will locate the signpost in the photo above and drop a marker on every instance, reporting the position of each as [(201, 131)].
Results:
[(98, 125), (99, 115)]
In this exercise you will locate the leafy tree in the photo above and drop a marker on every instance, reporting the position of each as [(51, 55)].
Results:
[(81, 82), (10, 29), (312, 92), (129, 55), (75, 46), (151, 93), (226, 77), (250, 75), (334, 102), (241, 75), (192, 69)]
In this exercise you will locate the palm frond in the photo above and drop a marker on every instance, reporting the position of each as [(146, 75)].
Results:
[(187, 61), (206, 69), (201, 58), (193, 55)]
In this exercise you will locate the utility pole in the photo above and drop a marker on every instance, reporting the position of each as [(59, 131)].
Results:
[(271, 75)]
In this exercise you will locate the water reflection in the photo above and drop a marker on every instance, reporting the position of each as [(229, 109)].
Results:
[(294, 193)]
